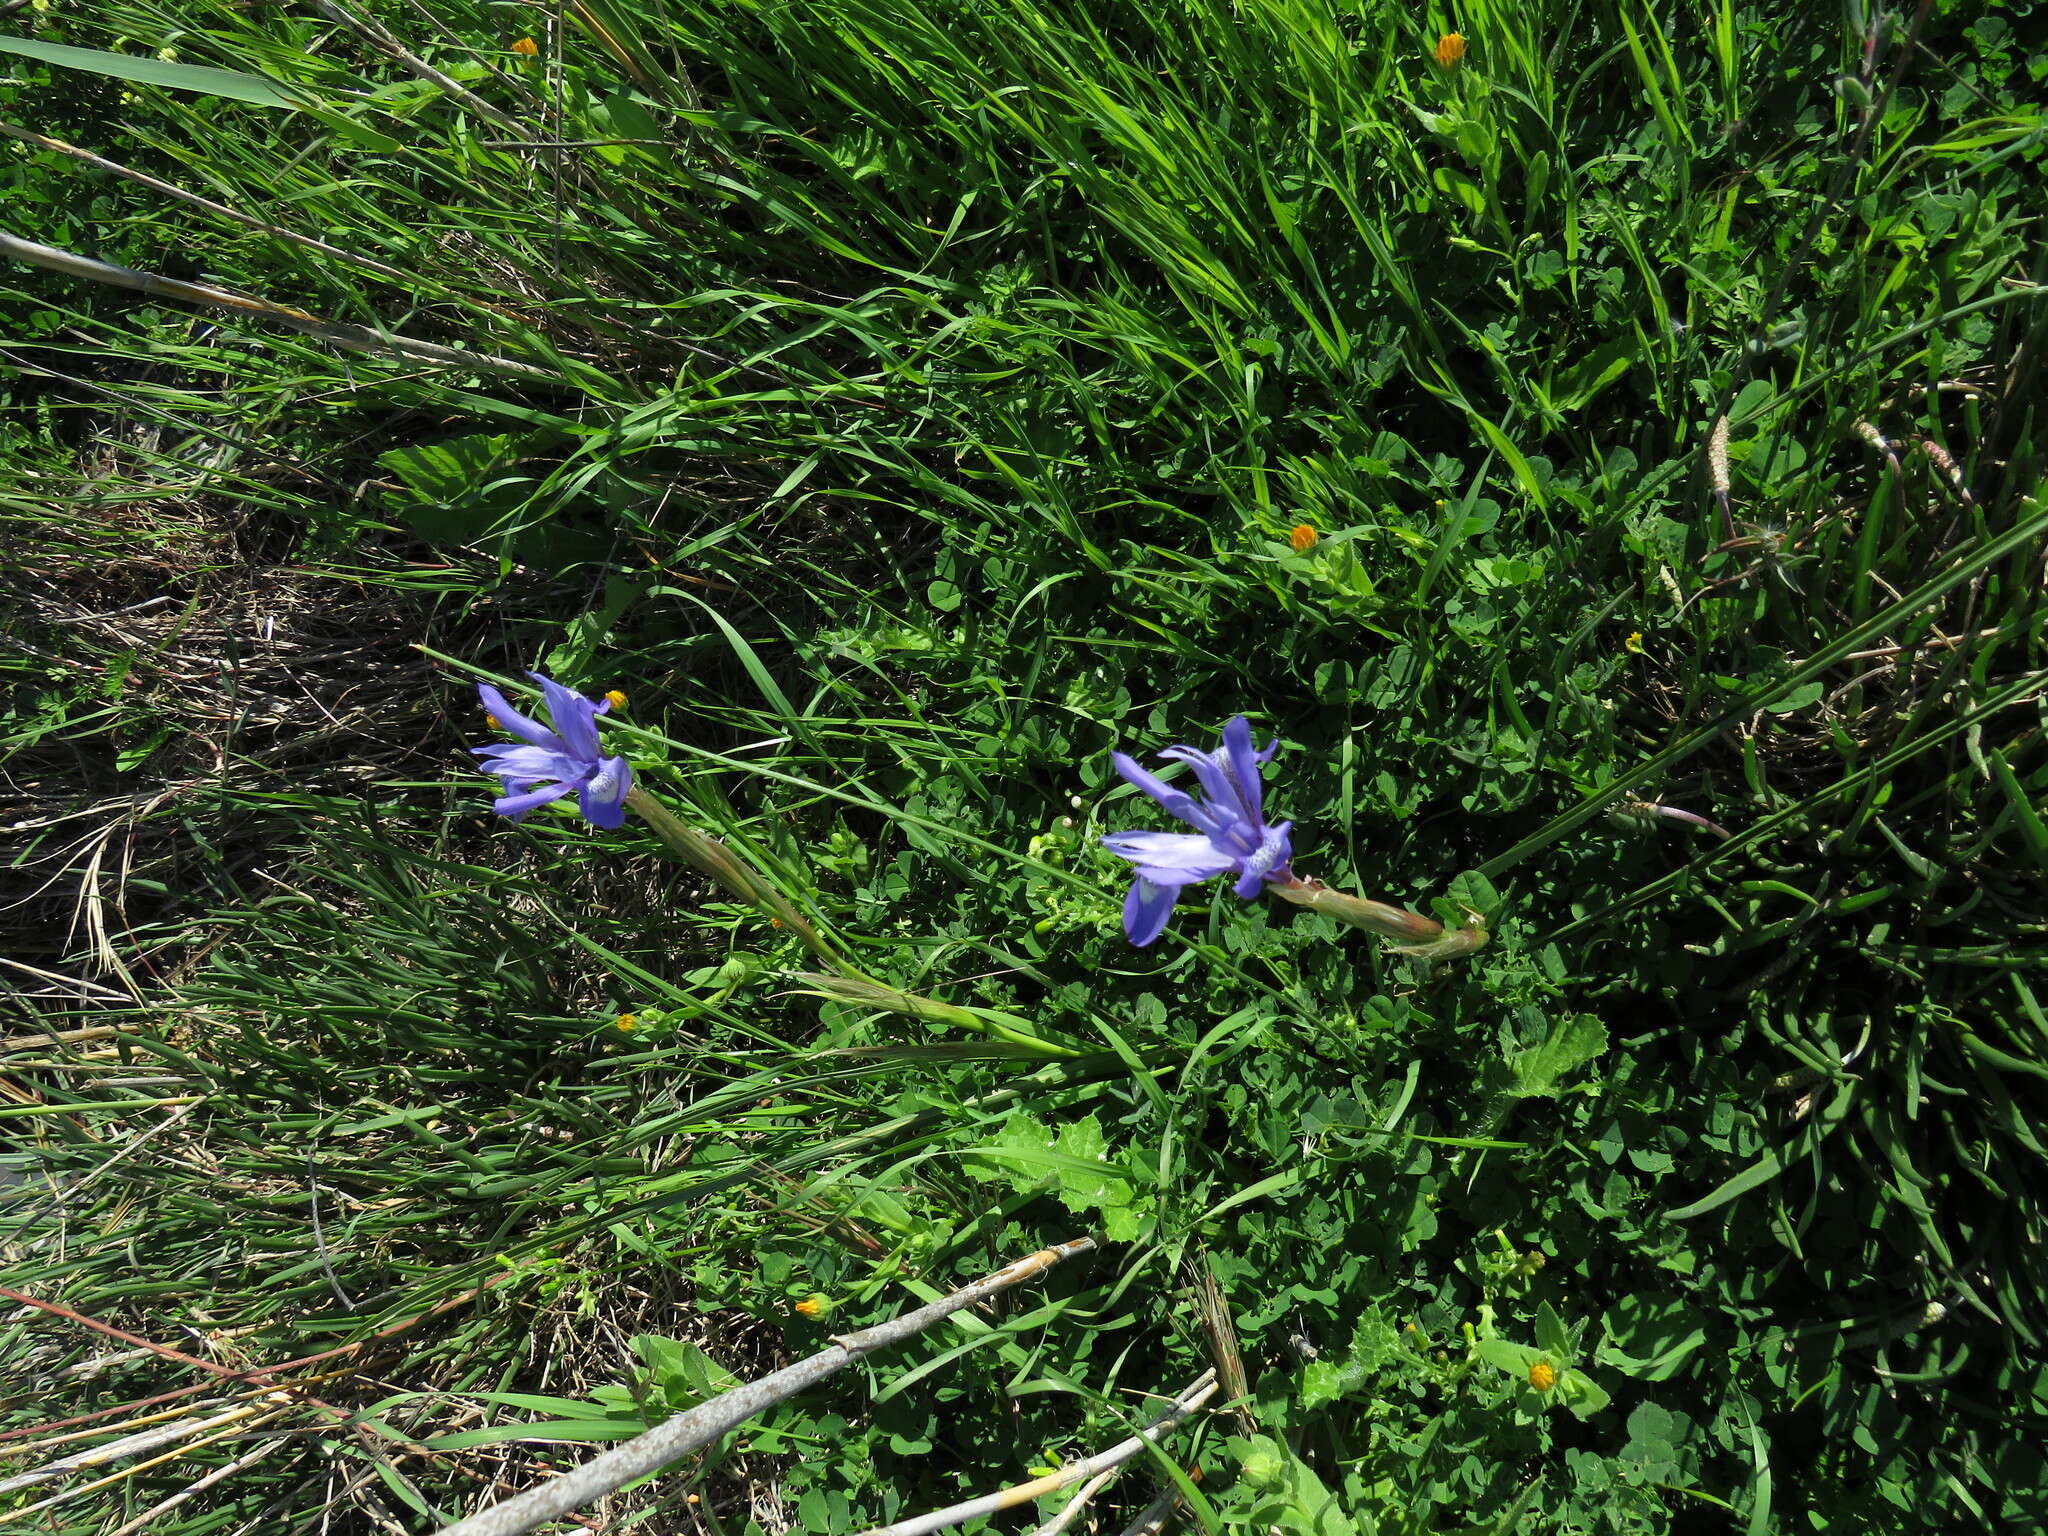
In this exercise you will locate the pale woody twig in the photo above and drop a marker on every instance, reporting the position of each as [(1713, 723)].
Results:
[(1198, 1392), (156, 1461), (138, 1444), (1079, 1502), (1153, 1520), (699, 1426)]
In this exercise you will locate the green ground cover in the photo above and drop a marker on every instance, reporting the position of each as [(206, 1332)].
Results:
[(904, 405)]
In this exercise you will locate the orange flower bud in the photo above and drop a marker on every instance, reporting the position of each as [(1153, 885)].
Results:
[(1301, 538), (526, 48), (616, 699), (812, 1306), (1450, 48), (1542, 1375), (627, 1021)]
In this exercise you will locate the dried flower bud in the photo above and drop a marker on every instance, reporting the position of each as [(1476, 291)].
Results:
[(1944, 461), (1717, 458)]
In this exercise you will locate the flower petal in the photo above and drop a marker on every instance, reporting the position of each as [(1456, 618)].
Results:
[(574, 717), (1146, 910), (1215, 777), (513, 722), (1175, 802), (1243, 759), (1269, 862), (1175, 858), (531, 765), (516, 806), (603, 799)]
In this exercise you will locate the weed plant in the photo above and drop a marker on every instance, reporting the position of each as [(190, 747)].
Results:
[(1609, 460)]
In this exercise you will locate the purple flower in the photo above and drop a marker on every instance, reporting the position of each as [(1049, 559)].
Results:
[(1230, 836), (549, 764)]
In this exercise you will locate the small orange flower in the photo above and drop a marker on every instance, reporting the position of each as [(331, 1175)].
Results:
[(616, 699), (1450, 48), (526, 48), (1542, 1375), (492, 722), (1301, 538), (812, 1306), (627, 1021), (1634, 643)]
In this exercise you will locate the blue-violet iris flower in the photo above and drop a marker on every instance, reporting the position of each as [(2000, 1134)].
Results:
[(547, 765), (1230, 836)]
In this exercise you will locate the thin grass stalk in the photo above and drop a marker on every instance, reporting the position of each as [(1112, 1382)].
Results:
[(1981, 558), (384, 41), (866, 992), (198, 1486), (714, 860), (357, 338), (207, 204), (698, 1427)]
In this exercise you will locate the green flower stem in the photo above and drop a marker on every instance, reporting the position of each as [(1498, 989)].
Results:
[(1427, 938), (708, 856), (852, 987)]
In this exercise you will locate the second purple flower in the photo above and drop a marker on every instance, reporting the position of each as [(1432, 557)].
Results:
[(1230, 837), (548, 764)]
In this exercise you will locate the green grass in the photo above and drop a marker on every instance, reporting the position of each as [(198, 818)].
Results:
[(912, 404)]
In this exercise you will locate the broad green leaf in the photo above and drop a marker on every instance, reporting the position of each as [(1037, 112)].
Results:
[(140, 70), (1582, 1394), (1571, 1044), (1515, 1359), (1374, 1343), (1551, 1334), (449, 468)]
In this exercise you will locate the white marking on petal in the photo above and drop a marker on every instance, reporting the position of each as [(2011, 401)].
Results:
[(1267, 855)]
